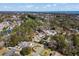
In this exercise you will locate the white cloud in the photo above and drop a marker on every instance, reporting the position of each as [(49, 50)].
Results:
[(54, 4), (26, 6), (5, 7), (36, 7), (29, 6), (48, 5)]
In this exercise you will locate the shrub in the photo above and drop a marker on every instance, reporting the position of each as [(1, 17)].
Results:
[(25, 51)]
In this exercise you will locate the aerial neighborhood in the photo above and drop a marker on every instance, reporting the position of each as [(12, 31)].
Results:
[(39, 34)]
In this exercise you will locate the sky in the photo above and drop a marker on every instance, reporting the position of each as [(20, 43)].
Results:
[(39, 6)]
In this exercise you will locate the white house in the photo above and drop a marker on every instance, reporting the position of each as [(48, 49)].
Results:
[(50, 32)]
